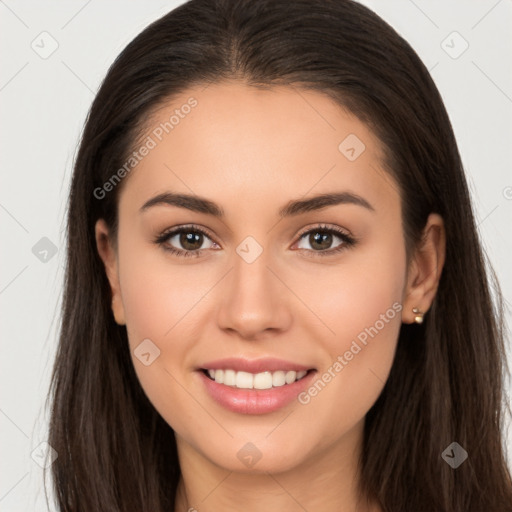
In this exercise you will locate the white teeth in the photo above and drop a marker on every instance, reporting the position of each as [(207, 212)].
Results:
[(229, 377), (290, 376), (278, 379), (219, 376), (244, 380), (262, 380)]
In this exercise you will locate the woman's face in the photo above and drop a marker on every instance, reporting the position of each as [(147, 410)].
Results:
[(281, 282)]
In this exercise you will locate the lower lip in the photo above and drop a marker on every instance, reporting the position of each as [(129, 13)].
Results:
[(255, 401)]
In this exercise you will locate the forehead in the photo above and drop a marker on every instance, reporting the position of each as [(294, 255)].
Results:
[(242, 142)]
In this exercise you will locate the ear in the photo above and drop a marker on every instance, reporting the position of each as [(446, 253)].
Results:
[(109, 257), (425, 269)]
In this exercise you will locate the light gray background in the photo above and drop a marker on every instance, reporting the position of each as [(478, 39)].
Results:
[(43, 104)]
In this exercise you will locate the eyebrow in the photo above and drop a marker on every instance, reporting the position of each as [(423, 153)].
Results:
[(295, 207)]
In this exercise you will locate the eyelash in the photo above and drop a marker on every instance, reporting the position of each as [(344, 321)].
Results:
[(348, 240)]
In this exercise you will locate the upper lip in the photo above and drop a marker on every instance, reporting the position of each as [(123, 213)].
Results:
[(254, 365)]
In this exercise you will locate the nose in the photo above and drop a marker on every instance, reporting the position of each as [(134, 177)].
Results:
[(254, 301)]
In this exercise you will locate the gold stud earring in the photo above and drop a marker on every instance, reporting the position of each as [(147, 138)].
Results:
[(418, 315)]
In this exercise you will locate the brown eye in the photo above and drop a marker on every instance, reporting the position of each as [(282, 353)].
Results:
[(185, 241), (325, 241), (191, 241), (319, 240), (188, 240)]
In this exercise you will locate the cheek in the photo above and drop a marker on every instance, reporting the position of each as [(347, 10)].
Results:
[(360, 302), (158, 294), (159, 301), (361, 294)]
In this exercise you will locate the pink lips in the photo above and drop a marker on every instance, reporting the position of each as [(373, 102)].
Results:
[(254, 401)]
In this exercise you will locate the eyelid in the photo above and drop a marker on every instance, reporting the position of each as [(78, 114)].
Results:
[(325, 227), (184, 227)]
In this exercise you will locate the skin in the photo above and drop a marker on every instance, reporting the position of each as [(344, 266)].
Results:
[(251, 152)]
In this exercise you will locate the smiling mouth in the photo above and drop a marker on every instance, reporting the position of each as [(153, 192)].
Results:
[(262, 380)]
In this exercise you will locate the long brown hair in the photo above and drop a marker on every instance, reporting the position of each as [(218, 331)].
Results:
[(115, 452)]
